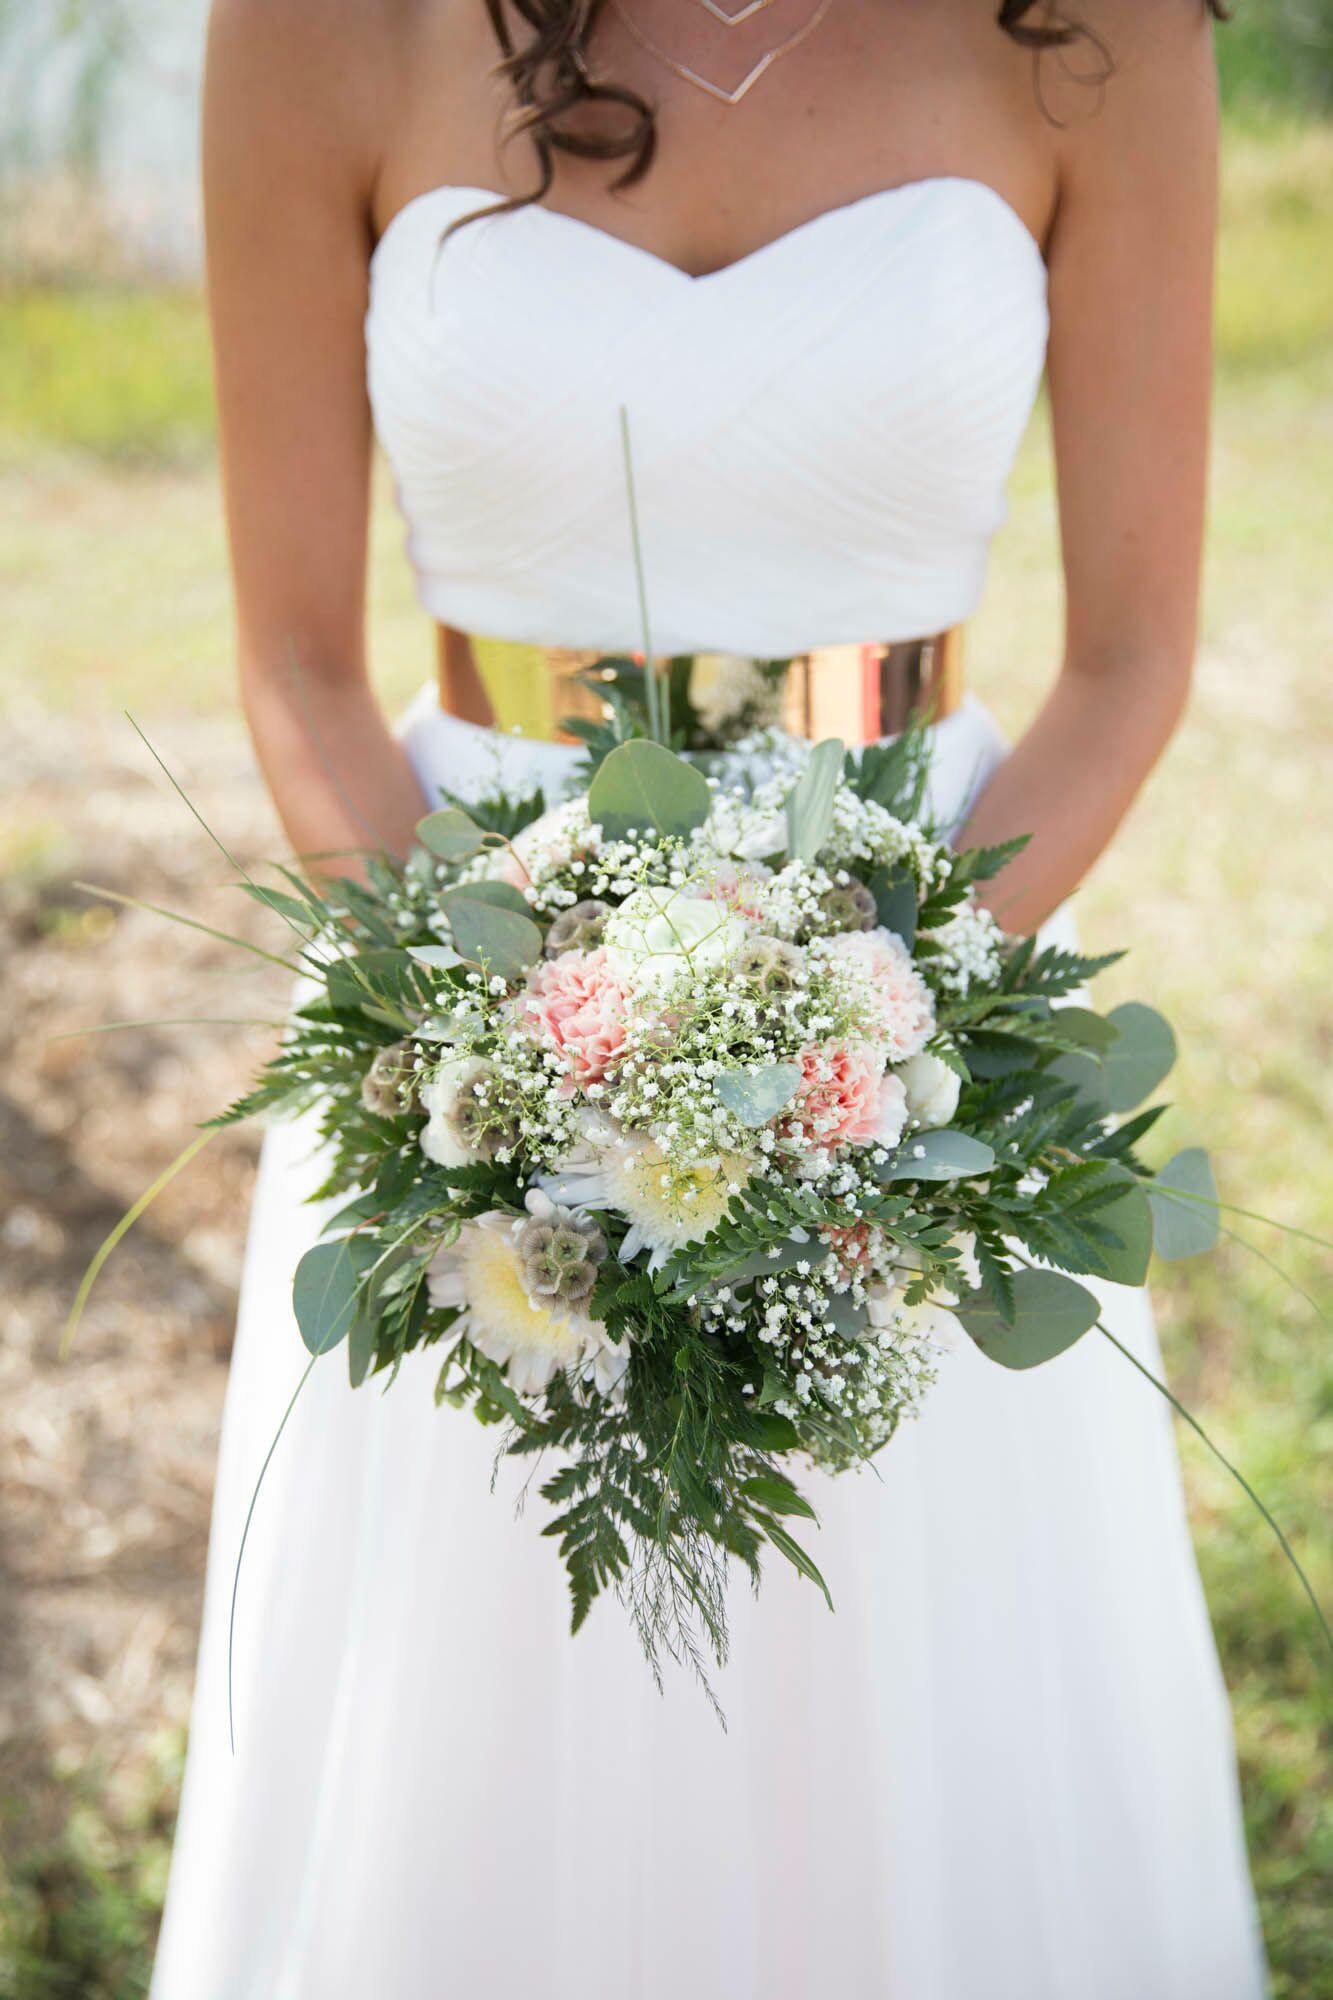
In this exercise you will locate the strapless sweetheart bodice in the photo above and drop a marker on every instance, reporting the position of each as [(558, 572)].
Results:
[(821, 432)]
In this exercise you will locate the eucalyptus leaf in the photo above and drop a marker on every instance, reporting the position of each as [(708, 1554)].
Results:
[(1087, 1075), (756, 1094), (1094, 1032), (1051, 1312), (810, 801), (435, 957), (503, 895), (324, 1290), (1130, 1218), (940, 1155), (450, 834), (644, 787), (1142, 1054), (842, 1313), (501, 940), (1185, 1224), (896, 903)]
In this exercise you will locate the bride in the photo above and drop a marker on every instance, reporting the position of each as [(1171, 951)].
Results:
[(853, 233)]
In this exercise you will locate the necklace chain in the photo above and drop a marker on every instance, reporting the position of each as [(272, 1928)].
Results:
[(747, 82)]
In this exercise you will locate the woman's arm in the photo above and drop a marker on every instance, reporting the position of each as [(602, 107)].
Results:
[(1130, 370), (292, 97)]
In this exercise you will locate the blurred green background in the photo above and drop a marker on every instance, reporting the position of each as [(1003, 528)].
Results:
[(115, 596)]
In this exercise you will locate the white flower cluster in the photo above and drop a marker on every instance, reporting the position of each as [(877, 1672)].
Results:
[(969, 951)]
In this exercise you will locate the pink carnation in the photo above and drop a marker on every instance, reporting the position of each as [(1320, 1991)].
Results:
[(845, 1099), (904, 1010), (576, 1003)]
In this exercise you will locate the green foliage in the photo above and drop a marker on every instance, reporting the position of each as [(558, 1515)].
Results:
[(79, 1910), (122, 376), (1048, 1314), (810, 801), (643, 786), (1183, 1194), (757, 1094), (1277, 53)]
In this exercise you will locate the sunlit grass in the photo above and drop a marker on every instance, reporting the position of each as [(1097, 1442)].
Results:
[(121, 376)]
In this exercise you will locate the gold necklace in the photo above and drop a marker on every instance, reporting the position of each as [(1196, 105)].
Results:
[(747, 83)]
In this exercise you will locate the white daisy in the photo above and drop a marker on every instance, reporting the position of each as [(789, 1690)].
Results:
[(532, 1337), (666, 1206)]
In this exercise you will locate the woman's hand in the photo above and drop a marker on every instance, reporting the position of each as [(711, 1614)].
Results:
[(294, 102), (1131, 275)]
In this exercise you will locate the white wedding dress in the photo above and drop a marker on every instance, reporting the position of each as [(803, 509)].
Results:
[(1003, 1770)]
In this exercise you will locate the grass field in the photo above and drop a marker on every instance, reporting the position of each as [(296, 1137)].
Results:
[(113, 578)]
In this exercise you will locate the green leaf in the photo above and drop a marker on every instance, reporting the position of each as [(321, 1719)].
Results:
[(992, 1053), (810, 801), (450, 834), (360, 1348), (503, 895), (643, 786), (1142, 1054), (772, 1432), (790, 1252), (942, 1155), (1094, 1032), (282, 905), (1130, 1217), (1051, 1312), (778, 1495), (501, 940), (1087, 1075), (435, 957), (324, 1290), (842, 1313), (894, 891), (756, 1094), (1185, 1224), (796, 1556)]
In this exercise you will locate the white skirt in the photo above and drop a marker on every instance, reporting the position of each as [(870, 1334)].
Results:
[(1002, 1770)]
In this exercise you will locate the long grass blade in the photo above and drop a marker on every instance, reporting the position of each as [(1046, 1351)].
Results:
[(168, 1021), (240, 1553), (190, 923), (216, 838), (652, 687), (122, 1229), (1244, 1243), (1246, 1214), (1236, 1474)]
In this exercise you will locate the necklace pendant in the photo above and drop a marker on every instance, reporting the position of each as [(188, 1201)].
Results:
[(743, 13), (705, 83)]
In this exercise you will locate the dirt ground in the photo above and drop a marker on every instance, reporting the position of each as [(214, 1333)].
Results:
[(108, 1457)]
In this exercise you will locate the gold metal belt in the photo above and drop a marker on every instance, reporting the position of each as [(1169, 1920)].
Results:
[(857, 692)]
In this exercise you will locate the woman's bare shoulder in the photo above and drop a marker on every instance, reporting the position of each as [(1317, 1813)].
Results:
[(333, 61), (317, 79)]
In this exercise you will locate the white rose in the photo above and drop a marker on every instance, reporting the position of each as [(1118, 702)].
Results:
[(659, 933), (932, 1089), (439, 1098)]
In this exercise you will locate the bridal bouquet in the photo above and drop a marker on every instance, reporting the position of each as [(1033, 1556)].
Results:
[(690, 1122)]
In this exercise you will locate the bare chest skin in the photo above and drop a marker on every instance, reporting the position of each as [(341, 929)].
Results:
[(882, 92)]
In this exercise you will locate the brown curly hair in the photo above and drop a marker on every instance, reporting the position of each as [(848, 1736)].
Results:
[(550, 79)]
